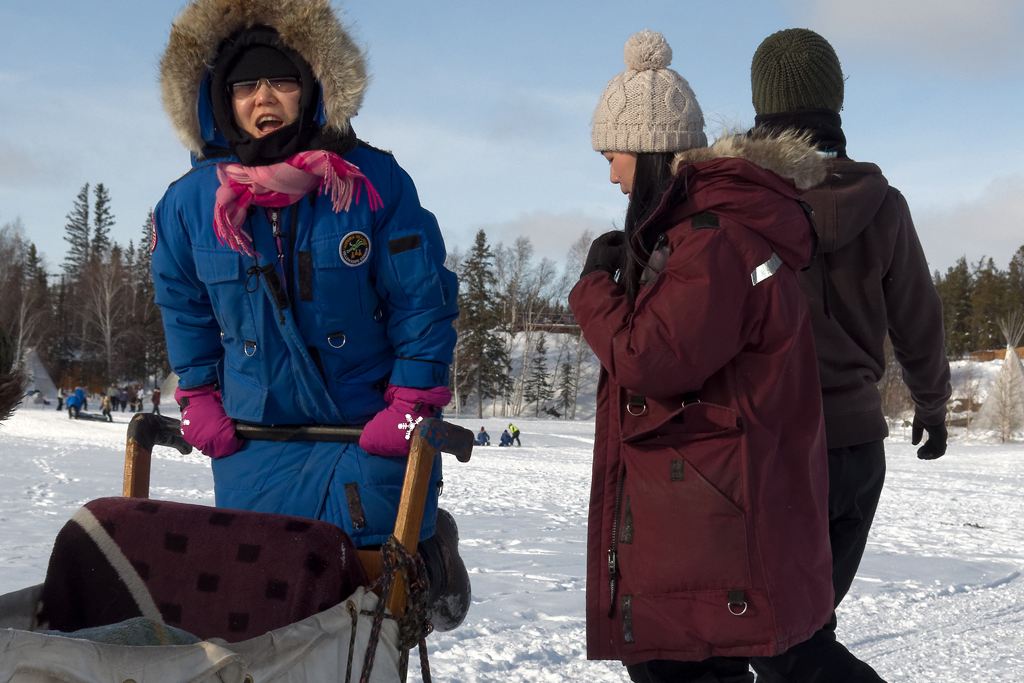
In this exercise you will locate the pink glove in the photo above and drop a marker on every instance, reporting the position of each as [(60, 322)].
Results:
[(204, 424), (390, 430)]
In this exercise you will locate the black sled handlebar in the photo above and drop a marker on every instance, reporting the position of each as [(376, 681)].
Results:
[(289, 433), (147, 430)]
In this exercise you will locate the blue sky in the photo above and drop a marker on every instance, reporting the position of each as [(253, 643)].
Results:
[(488, 106)]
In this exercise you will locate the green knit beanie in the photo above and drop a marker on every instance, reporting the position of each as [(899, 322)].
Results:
[(796, 69)]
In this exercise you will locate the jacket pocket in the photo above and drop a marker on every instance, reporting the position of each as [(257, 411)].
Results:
[(221, 271), (338, 287), (244, 399), (214, 265), (686, 500)]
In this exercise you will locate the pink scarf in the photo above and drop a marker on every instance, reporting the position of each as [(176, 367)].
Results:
[(283, 184)]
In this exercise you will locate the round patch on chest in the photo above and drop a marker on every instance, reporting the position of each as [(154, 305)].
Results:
[(354, 248)]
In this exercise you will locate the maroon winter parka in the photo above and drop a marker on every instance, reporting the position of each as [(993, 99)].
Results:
[(708, 528)]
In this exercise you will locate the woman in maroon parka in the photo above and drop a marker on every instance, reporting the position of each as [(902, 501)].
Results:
[(708, 539)]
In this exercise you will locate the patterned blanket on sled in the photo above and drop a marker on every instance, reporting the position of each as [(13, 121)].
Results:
[(211, 572)]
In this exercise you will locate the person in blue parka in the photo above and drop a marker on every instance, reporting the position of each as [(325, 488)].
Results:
[(299, 279), (76, 403)]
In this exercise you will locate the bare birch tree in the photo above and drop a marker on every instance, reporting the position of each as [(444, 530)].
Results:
[(574, 264), (104, 310)]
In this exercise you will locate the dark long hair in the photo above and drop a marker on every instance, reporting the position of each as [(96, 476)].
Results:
[(652, 178)]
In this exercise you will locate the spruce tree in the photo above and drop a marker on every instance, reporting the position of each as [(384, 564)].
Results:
[(988, 304), (150, 324), (102, 221), (955, 291), (147, 244), (34, 265), (478, 347), (566, 393), (59, 345), (76, 234), (1015, 280), (538, 385)]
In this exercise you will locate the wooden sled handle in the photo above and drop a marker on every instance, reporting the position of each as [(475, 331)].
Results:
[(146, 430)]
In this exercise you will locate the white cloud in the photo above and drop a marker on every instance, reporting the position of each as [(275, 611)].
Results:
[(990, 225), (552, 234), (966, 37), (21, 167)]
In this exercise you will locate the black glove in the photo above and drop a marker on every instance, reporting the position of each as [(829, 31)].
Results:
[(935, 446), (606, 253)]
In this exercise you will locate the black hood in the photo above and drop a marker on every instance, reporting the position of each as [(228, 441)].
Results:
[(284, 142)]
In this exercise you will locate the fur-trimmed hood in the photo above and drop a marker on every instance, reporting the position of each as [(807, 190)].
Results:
[(753, 180), (790, 154), (310, 27)]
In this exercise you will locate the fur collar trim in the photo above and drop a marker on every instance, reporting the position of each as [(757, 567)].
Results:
[(310, 27), (790, 155)]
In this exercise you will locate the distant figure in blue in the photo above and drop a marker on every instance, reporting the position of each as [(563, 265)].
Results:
[(75, 403), (506, 439), (483, 438)]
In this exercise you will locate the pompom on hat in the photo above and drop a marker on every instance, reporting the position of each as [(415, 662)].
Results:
[(648, 107), (795, 69)]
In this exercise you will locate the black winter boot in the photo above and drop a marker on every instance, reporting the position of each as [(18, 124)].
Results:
[(449, 592)]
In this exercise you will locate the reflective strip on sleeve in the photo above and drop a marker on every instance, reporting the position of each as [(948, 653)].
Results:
[(766, 269)]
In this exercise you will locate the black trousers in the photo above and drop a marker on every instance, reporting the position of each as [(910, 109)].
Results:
[(856, 474), (711, 670)]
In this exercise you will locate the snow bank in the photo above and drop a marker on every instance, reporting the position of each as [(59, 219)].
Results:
[(939, 596)]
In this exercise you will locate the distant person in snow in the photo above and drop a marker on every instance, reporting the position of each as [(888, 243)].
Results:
[(112, 393), (76, 403), (107, 407), (60, 399), (515, 433), (122, 398), (708, 528), (155, 398), (506, 439), (483, 438), (871, 278), (299, 279)]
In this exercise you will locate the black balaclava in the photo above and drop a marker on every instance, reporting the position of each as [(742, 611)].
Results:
[(259, 52)]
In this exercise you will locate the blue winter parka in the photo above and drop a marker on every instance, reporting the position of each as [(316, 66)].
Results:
[(367, 301)]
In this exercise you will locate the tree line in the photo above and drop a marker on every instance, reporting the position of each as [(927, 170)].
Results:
[(519, 351), (975, 297), (94, 320)]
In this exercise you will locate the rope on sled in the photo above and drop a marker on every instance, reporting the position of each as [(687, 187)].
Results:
[(413, 626)]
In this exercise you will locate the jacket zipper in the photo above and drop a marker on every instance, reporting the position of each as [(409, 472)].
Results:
[(613, 553)]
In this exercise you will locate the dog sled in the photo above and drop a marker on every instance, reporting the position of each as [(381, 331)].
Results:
[(367, 636)]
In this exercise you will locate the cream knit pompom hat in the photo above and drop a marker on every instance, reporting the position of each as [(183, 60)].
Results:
[(648, 107)]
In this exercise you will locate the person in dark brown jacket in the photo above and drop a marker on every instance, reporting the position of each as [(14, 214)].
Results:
[(870, 277)]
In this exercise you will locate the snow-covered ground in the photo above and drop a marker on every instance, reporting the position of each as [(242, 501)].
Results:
[(939, 597)]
